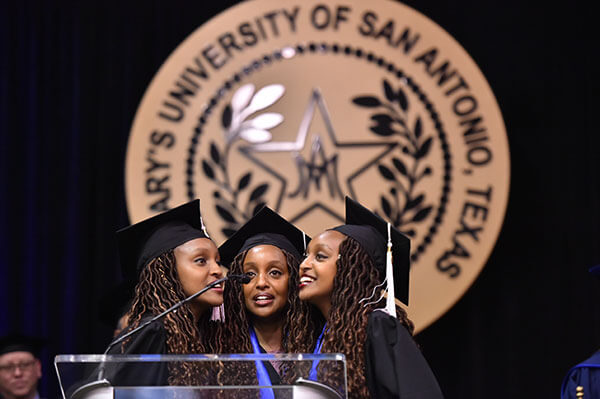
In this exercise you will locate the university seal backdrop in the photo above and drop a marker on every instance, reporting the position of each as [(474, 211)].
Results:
[(296, 104)]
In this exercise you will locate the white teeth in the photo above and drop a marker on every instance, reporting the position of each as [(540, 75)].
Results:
[(262, 297), (306, 279), (217, 286)]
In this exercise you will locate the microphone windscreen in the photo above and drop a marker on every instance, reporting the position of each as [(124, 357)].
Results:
[(242, 278)]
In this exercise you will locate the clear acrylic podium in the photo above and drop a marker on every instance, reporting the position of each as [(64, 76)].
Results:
[(201, 376)]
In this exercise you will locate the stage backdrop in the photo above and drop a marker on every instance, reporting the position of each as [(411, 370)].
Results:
[(72, 77)]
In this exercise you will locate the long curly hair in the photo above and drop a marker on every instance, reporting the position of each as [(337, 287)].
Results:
[(232, 336), (158, 289), (356, 278)]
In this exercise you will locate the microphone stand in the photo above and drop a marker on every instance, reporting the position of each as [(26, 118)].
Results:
[(172, 308), (102, 382), (244, 279)]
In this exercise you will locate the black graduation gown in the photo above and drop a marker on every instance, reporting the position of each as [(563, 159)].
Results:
[(273, 374), (395, 367), (274, 377), (150, 340)]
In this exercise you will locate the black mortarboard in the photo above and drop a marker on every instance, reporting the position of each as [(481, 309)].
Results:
[(371, 232), (20, 343), (267, 227), (144, 241)]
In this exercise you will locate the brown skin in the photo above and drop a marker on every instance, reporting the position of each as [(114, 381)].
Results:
[(21, 382), (233, 336), (354, 277), (320, 265), (168, 279), (266, 295), (197, 263)]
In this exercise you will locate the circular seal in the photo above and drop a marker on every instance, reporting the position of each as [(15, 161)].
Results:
[(296, 104)]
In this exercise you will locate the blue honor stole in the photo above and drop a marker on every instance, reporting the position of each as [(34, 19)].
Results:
[(313, 369), (261, 371)]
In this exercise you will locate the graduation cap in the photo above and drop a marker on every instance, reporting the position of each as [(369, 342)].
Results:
[(388, 248), (20, 343), (144, 241), (267, 227)]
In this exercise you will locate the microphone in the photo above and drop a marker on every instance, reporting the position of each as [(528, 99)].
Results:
[(101, 385), (242, 278)]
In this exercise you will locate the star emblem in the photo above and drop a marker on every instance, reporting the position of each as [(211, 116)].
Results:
[(318, 160)]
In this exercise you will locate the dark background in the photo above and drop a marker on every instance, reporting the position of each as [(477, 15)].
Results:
[(71, 78)]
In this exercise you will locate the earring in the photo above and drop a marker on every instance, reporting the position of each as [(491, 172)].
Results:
[(218, 313)]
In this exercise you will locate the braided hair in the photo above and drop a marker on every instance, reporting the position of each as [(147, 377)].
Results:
[(232, 336), (356, 277), (158, 289)]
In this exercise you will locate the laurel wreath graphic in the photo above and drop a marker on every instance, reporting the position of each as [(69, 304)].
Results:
[(404, 205), (238, 125)]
